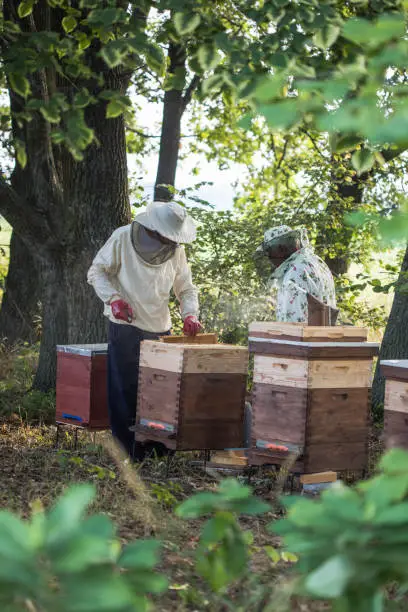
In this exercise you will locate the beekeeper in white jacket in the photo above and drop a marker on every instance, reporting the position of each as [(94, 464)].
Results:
[(133, 275)]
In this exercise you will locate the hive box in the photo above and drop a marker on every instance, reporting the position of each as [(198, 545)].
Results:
[(81, 385), (191, 396), (395, 403), (310, 397)]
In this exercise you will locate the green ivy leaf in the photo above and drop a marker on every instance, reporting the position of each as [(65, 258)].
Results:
[(20, 84), (186, 23), (114, 109), (155, 58), (69, 23), (363, 160)]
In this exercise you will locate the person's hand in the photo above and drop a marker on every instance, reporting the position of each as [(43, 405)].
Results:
[(191, 326), (122, 311)]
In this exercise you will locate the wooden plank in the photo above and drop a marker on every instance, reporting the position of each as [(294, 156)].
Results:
[(337, 333), (397, 370), (258, 457), (345, 374), (198, 339), (318, 478), (274, 329), (280, 371), (161, 356), (337, 416), (221, 359), (158, 395), (279, 412), (212, 397), (396, 395), (395, 429), (336, 457)]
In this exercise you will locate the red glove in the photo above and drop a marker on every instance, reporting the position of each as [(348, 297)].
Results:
[(191, 326), (121, 310)]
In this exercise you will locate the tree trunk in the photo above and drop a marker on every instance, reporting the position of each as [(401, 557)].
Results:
[(171, 130), (22, 295), (395, 341), (96, 203)]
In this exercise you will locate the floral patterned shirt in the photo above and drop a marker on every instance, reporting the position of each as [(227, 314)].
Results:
[(302, 273)]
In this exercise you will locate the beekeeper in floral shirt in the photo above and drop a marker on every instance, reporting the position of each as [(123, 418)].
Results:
[(296, 272)]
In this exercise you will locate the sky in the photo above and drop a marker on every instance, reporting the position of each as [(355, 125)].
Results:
[(220, 194)]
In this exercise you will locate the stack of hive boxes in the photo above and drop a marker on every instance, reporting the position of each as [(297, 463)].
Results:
[(192, 396), (311, 392)]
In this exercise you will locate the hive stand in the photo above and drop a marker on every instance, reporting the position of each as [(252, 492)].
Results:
[(395, 373), (310, 397), (191, 396), (81, 390)]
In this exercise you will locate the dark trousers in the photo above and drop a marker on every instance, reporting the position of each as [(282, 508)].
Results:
[(123, 376)]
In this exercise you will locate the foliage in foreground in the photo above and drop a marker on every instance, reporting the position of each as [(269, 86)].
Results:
[(353, 542), (351, 545)]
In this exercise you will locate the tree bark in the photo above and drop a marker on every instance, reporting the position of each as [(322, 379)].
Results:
[(22, 296), (395, 341), (174, 104)]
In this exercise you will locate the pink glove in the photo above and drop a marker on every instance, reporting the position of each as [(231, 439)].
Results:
[(121, 310), (191, 326)]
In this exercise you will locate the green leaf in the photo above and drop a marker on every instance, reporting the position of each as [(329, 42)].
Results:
[(341, 144), (83, 98), (198, 505), (64, 519), (113, 54), (394, 461), (330, 579), (19, 84), (25, 8), (51, 113), (143, 554), (281, 115), (269, 88), (69, 23), (362, 31), (155, 58), (186, 23), (363, 160), (21, 154), (273, 554), (114, 109), (327, 36), (14, 534), (213, 83), (208, 56)]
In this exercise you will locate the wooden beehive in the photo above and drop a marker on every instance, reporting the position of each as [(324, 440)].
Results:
[(310, 398), (395, 403), (191, 396), (82, 386)]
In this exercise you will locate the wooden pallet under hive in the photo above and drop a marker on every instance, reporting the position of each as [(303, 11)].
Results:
[(395, 373), (191, 396), (81, 392), (310, 396)]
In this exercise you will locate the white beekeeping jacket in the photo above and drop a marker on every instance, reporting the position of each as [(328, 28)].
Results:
[(118, 270)]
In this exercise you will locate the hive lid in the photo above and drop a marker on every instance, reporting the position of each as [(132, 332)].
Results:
[(395, 368), (306, 333), (88, 350), (298, 348)]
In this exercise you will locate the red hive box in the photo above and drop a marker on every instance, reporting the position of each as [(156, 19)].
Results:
[(82, 386)]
